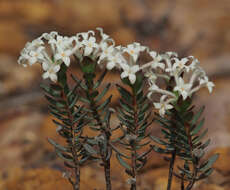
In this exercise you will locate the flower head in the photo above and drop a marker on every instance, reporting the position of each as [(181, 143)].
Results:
[(163, 105), (130, 72), (134, 50), (183, 88)]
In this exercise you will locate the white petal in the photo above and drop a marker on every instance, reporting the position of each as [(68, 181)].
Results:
[(184, 94), (53, 77), (124, 74), (45, 66), (132, 78), (110, 65), (153, 54), (92, 39), (57, 56), (68, 52), (45, 75), (87, 51), (32, 60), (157, 105), (125, 67), (161, 65), (135, 68), (135, 56), (56, 68), (66, 60), (163, 98), (168, 106), (162, 112)]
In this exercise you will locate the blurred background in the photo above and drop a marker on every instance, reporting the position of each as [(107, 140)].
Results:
[(189, 27)]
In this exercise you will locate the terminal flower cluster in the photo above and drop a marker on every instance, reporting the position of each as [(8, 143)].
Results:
[(182, 77), (51, 50)]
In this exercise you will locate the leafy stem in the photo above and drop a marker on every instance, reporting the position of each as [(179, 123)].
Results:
[(133, 114), (99, 112), (171, 168)]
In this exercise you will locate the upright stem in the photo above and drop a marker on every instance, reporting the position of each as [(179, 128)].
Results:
[(133, 183), (134, 152), (190, 185), (182, 183), (107, 174), (105, 133), (76, 184), (171, 167)]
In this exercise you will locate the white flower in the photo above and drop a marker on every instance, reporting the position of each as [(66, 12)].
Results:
[(63, 55), (36, 55), (89, 44), (114, 59), (152, 88), (162, 106), (134, 50), (50, 35), (180, 64), (51, 71), (151, 77), (183, 88), (31, 56), (156, 60), (195, 63), (209, 84), (106, 51), (36, 43), (130, 72), (103, 35), (171, 54)]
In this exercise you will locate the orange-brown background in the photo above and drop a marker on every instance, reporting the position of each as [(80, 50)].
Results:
[(190, 27)]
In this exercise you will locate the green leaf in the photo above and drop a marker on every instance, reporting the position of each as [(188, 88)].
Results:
[(206, 174), (73, 102), (138, 83), (126, 107), (197, 128), (76, 119), (203, 146), (197, 116), (122, 162), (56, 145), (64, 156), (160, 150), (185, 104), (101, 95), (89, 149), (157, 140), (50, 91), (105, 103), (84, 100), (62, 78), (98, 83), (88, 65), (208, 164), (197, 139), (125, 94), (83, 86)]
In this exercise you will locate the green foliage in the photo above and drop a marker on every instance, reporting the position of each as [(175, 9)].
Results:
[(96, 106), (133, 114), (85, 105), (70, 120), (183, 134)]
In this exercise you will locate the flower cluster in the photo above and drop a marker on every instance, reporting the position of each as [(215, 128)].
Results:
[(184, 77), (51, 50)]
